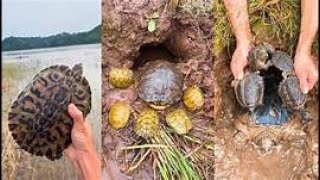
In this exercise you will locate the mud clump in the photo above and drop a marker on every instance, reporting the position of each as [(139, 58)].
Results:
[(179, 37)]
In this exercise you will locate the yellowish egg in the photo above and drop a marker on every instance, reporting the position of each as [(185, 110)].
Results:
[(193, 98), (179, 121), (119, 114), (121, 77)]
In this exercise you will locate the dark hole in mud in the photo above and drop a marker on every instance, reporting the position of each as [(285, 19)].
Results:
[(271, 112), (151, 52)]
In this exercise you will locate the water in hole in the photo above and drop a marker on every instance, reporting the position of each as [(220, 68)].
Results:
[(271, 112)]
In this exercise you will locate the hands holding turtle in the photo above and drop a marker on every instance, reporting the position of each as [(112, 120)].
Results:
[(304, 66)]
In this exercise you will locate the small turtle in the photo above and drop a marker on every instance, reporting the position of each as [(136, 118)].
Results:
[(179, 121), (249, 91), (193, 98), (160, 84), (119, 114), (121, 77), (147, 124), (259, 56), (39, 120), (292, 96), (283, 62)]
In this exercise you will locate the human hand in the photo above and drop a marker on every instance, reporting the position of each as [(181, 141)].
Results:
[(81, 135), (306, 70), (239, 59), (81, 151)]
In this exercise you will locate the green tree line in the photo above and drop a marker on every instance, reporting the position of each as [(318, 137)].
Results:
[(61, 39)]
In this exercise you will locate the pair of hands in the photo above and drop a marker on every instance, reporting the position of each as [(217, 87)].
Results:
[(304, 66)]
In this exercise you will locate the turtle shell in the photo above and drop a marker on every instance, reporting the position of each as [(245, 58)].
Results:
[(291, 94), (283, 62), (38, 118), (257, 58), (160, 84), (249, 91)]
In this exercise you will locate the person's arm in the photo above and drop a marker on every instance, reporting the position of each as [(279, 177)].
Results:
[(304, 65), (239, 18), (82, 151)]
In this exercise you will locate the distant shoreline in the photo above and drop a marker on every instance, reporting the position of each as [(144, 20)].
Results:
[(92, 36), (7, 54)]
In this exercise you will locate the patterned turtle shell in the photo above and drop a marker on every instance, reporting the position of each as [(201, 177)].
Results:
[(38, 119)]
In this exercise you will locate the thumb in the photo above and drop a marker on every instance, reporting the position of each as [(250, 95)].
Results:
[(77, 117), (304, 86)]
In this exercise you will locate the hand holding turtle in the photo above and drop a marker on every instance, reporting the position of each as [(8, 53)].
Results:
[(239, 60), (238, 14), (82, 151), (306, 70)]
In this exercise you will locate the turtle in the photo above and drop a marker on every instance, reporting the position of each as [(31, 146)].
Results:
[(119, 114), (160, 84), (193, 98), (147, 125), (259, 56), (38, 118), (179, 121), (292, 96), (283, 62), (249, 90), (121, 77)]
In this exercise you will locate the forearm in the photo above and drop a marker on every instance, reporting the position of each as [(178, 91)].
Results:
[(309, 24), (238, 14), (89, 166)]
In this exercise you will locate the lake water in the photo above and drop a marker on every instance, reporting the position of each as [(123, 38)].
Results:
[(18, 68)]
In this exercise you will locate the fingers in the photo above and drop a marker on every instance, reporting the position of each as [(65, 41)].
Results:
[(77, 117), (312, 79), (89, 131), (304, 86), (237, 69), (70, 152)]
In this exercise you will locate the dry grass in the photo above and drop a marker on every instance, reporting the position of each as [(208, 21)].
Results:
[(274, 21)]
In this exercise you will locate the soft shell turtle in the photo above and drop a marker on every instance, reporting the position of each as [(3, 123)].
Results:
[(160, 84), (39, 119), (259, 56), (249, 91)]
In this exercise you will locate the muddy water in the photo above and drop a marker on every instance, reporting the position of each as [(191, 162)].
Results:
[(18, 68)]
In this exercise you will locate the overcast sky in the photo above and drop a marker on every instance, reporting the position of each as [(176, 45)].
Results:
[(48, 17)]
